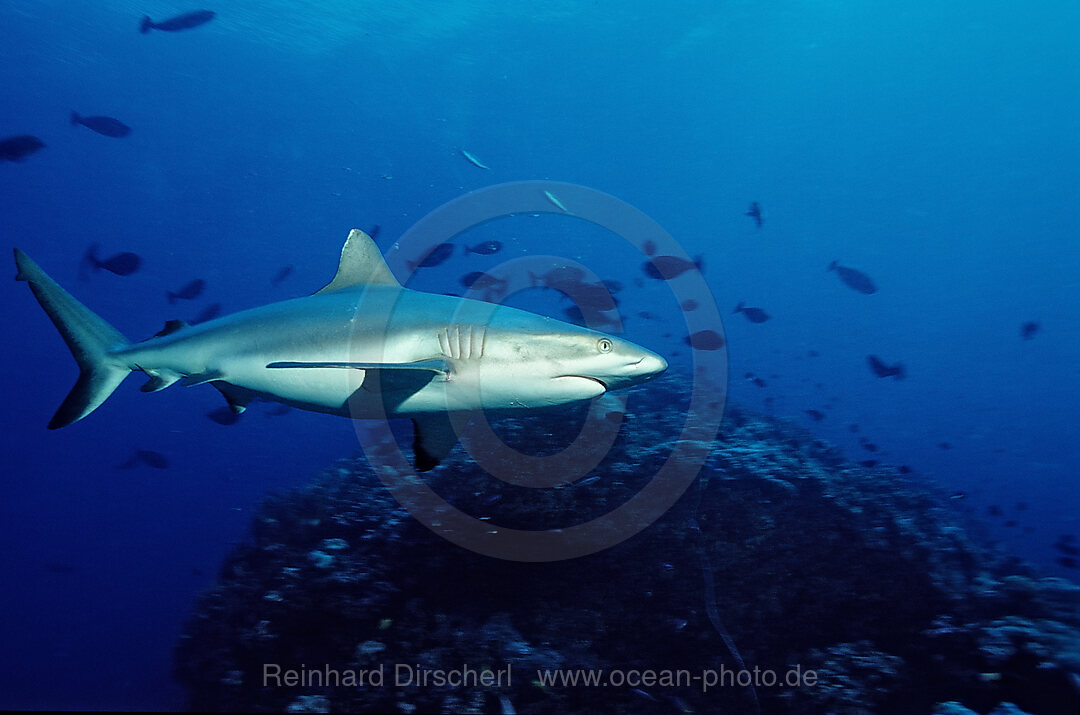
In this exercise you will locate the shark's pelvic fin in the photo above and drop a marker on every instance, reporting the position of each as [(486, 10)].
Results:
[(159, 380), (89, 338), (361, 265), (201, 377)]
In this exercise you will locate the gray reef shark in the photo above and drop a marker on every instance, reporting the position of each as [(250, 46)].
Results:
[(362, 347)]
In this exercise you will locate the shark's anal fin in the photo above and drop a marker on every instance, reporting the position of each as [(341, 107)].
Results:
[(201, 377), (433, 439), (159, 380), (361, 264)]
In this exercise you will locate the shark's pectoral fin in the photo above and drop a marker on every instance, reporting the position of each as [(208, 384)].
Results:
[(433, 439)]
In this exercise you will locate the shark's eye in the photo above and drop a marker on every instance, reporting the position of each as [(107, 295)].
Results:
[(604, 345)]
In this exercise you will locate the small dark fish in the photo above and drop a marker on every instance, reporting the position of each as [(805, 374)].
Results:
[(1012, 523), (278, 411), (754, 315), (813, 353), (122, 264), (1021, 506), (904, 469), (487, 248), (649, 247), (755, 213), (433, 257), (853, 428), (1068, 562), (181, 22), (224, 416), (106, 126), (481, 281), (190, 291), (994, 510), (755, 379), (705, 340), (958, 496), (944, 445), (19, 147), (856, 280), (150, 458), (558, 277), (208, 313), (646, 315), (595, 318), (689, 304), (870, 446), (816, 415), (1066, 548), (374, 231), (880, 369), (612, 285), (869, 463), (615, 416), (59, 567), (1029, 329), (282, 274), (664, 268)]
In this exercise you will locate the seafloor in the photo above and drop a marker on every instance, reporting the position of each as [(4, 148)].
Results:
[(868, 577)]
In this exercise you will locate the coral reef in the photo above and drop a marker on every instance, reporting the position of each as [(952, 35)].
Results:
[(864, 576)]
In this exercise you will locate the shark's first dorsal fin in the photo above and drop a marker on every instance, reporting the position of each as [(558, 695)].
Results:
[(361, 265)]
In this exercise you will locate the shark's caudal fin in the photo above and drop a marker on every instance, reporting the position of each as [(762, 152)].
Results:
[(88, 337)]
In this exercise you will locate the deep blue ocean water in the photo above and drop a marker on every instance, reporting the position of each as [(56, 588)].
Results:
[(935, 146)]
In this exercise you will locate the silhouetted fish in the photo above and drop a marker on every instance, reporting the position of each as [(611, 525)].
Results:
[(374, 231), (282, 274), (106, 126), (122, 264), (904, 469), (558, 277), (755, 213), (486, 248), (224, 415), (853, 428), (854, 279), (994, 510), (19, 147), (434, 257), (481, 281), (705, 340), (882, 370), (181, 22), (1012, 523), (944, 445), (816, 415), (1021, 506), (813, 353), (689, 304), (649, 247), (869, 463), (869, 446), (755, 379), (612, 285), (1067, 548), (1068, 562), (150, 458), (278, 411), (208, 313), (665, 268), (1029, 329), (754, 315), (191, 290)]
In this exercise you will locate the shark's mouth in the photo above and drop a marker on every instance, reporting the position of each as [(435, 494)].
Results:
[(586, 377)]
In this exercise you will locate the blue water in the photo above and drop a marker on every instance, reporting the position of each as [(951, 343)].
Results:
[(935, 146)]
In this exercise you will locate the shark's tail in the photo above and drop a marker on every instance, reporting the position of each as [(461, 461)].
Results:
[(89, 338)]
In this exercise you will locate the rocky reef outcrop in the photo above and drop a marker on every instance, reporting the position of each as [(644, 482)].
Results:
[(782, 558)]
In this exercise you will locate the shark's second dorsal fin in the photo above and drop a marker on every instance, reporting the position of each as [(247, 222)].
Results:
[(361, 265)]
